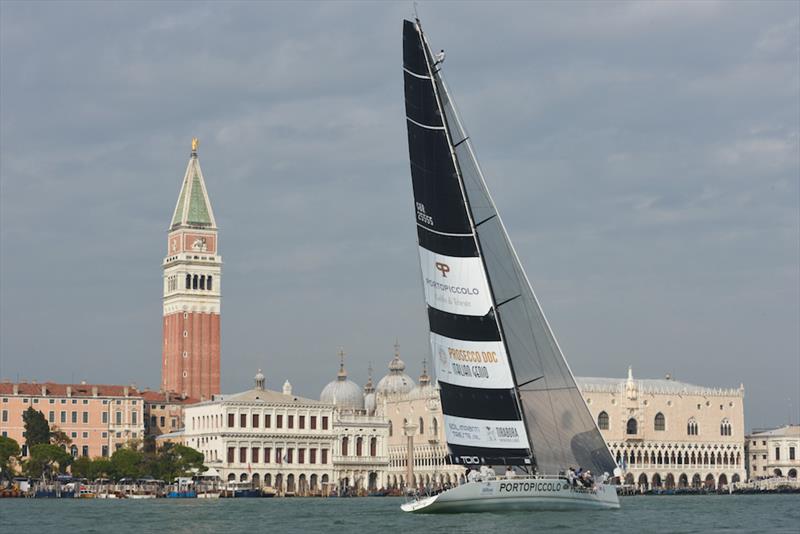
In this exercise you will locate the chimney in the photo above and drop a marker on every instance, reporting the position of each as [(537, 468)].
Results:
[(166, 396), (44, 390), (16, 389), (94, 391), (125, 391), (69, 391)]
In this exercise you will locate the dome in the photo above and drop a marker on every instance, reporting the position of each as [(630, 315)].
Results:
[(397, 382), (343, 393)]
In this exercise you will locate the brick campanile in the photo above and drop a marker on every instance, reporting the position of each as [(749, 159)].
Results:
[(192, 282)]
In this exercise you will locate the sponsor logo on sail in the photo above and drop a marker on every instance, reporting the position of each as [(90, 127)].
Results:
[(442, 268)]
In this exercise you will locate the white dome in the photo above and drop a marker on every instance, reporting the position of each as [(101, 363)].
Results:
[(343, 393), (397, 382)]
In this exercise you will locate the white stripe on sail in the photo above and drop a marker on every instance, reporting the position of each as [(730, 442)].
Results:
[(455, 285), (475, 364), (424, 125), (416, 75), (484, 433), (444, 233)]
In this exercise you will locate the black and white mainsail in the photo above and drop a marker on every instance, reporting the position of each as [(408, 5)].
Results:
[(507, 393)]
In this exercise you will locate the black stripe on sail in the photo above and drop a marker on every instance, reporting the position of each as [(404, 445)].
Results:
[(448, 245), (467, 456), (421, 101), (437, 191), (413, 52), (479, 403), (463, 327)]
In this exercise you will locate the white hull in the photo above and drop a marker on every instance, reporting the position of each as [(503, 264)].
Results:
[(517, 494)]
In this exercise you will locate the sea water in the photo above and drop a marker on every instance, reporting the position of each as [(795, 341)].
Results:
[(652, 514)]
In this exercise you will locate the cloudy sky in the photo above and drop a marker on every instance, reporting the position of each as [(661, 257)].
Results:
[(644, 157)]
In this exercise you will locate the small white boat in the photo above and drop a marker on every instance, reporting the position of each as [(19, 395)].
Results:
[(517, 494)]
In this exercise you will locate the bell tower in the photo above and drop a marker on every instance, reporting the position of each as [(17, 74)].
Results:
[(192, 282)]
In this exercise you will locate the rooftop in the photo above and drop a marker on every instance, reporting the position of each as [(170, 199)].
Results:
[(788, 431), (39, 389)]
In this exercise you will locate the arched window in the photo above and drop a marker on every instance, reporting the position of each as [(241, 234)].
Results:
[(188, 281), (390, 428), (345, 441), (421, 426), (373, 446), (208, 283), (203, 282), (194, 282), (359, 446), (602, 421), (691, 427), (632, 428), (660, 422), (725, 427), (435, 426)]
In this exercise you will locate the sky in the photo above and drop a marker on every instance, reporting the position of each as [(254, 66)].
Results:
[(644, 156)]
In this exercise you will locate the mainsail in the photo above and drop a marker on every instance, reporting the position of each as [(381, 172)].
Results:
[(507, 393)]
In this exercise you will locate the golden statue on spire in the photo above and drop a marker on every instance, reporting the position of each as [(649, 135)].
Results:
[(195, 144)]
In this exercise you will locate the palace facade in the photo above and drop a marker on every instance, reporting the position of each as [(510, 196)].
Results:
[(773, 453), (265, 438), (670, 434), (97, 418)]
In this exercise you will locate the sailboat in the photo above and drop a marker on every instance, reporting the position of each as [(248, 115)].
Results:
[(508, 396)]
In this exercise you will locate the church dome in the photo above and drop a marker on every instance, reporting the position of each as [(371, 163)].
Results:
[(343, 393), (397, 382)]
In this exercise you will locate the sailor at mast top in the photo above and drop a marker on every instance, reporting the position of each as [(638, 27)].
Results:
[(439, 58)]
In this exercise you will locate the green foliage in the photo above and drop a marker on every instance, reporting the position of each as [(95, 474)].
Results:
[(9, 448), (59, 437), (37, 429), (85, 467), (167, 463), (126, 463), (44, 457)]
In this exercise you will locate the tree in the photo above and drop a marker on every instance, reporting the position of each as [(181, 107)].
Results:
[(59, 437), (9, 448), (84, 467), (172, 461), (126, 463), (43, 457), (37, 429)]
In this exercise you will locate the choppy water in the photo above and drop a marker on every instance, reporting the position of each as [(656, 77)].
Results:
[(684, 514)]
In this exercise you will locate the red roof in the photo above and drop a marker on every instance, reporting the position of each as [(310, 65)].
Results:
[(166, 398), (60, 390)]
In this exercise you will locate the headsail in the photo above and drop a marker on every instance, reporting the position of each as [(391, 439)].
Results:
[(507, 392)]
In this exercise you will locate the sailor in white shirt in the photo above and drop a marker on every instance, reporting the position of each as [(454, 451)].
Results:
[(438, 58)]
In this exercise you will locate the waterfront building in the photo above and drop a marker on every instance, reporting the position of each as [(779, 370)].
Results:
[(417, 447), (266, 438), (360, 457), (192, 268), (773, 453), (670, 434), (98, 418), (164, 411)]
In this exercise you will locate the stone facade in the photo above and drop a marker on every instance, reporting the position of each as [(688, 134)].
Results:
[(98, 418), (164, 412), (670, 434), (773, 453)]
